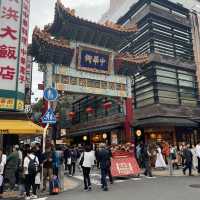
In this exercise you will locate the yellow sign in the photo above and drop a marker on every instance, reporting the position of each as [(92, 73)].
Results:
[(7, 103), (20, 105)]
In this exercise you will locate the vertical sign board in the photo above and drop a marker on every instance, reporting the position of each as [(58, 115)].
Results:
[(14, 23), (28, 84)]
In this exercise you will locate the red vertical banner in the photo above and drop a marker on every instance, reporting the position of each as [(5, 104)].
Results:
[(23, 45), (128, 119)]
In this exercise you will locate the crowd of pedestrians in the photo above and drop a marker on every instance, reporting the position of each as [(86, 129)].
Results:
[(164, 155), (23, 168), (28, 170)]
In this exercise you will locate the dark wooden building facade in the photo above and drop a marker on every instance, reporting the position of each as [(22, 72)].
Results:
[(165, 92)]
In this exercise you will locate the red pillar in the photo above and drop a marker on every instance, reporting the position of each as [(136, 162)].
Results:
[(128, 119)]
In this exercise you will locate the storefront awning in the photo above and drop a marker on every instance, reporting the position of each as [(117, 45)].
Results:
[(165, 121), (96, 129), (19, 127)]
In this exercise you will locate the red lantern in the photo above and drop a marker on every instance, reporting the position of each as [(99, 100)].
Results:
[(107, 105), (57, 116), (71, 115), (89, 109)]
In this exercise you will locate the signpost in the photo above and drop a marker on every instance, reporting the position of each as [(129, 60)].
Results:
[(49, 117), (50, 94)]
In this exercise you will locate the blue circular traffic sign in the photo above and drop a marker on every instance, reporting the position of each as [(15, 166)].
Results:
[(50, 94)]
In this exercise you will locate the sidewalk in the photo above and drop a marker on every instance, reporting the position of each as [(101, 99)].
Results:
[(69, 184), (176, 173)]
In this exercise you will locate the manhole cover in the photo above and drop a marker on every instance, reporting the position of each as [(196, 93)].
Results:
[(195, 185)]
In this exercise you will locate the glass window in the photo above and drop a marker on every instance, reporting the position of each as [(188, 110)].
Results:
[(186, 77), (143, 90), (156, 5), (145, 102), (144, 96), (167, 87), (167, 80), (142, 84), (168, 100), (167, 94), (189, 103), (186, 83), (161, 25), (166, 73), (166, 68), (162, 32)]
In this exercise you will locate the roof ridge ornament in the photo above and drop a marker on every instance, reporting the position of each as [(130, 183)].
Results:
[(108, 24), (133, 58), (45, 36)]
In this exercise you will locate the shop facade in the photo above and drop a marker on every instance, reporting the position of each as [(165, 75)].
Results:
[(166, 97)]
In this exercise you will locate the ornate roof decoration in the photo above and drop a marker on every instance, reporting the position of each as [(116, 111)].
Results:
[(131, 58), (119, 27), (46, 49), (127, 63), (46, 37), (107, 24)]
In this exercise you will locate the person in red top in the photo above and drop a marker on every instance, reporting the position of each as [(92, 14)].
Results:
[(166, 151)]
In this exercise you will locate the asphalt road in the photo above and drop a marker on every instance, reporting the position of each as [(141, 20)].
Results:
[(160, 188)]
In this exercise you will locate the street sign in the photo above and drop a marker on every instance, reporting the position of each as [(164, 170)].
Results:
[(50, 94), (28, 109), (49, 117)]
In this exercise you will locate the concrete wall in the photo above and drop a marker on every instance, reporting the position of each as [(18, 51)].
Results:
[(117, 9)]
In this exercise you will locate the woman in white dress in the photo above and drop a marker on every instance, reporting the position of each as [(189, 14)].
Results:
[(160, 163)]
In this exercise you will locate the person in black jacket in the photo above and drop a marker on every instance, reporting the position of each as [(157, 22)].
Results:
[(145, 152), (188, 158), (104, 160)]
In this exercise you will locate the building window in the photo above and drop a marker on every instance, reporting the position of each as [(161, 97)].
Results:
[(165, 80), (146, 102), (166, 100)]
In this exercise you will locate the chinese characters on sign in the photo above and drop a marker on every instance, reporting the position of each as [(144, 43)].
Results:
[(24, 45), (84, 82), (14, 22), (73, 80), (7, 72), (8, 52), (93, 60)]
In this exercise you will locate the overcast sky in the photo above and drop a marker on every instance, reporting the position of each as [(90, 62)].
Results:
[(42, 13)]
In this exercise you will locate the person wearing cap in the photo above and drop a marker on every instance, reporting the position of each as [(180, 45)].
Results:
[(104, 160)]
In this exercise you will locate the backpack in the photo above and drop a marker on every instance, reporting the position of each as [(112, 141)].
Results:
[(32, 166), (81, 160), (54, 185)]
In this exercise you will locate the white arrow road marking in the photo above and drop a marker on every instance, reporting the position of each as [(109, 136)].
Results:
[(44, 198)]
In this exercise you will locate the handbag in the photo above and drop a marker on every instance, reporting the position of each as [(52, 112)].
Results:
[(69, 161), (81, 160)]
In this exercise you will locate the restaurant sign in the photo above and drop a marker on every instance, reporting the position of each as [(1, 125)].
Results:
[(14, 23), (74, 81), (94, 60)]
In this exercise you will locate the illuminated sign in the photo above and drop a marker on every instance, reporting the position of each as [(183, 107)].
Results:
[(94, 60)]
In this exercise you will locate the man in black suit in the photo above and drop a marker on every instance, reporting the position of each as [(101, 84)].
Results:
[(188, 158), (104, 160)]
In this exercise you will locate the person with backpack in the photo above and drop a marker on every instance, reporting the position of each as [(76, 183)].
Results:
[(31, 167), (2, 166)]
